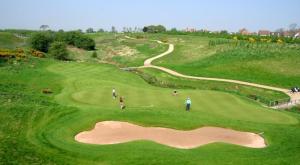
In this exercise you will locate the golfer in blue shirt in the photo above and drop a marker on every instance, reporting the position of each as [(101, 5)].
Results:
[(188, 103)]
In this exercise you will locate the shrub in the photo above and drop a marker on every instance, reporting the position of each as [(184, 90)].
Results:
[(94, 55), (90, 30), (85, 43), (58, 50), (154, 29), (41, 41), (17, 53), (79, 40), (37, 53)]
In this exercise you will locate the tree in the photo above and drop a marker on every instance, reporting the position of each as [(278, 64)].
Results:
[(293, 27), (154, 29), (85, 42), (90, 30), (113, 29), (58, 50), (44, 27), (173, 30), (160, 28), (223, 32), (100, 30), (41, 41), (145, 29)]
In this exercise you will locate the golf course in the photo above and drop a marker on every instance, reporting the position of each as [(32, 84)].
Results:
[(77, 121)]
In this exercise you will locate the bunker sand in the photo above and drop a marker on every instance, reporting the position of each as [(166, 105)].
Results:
[(114, 132)]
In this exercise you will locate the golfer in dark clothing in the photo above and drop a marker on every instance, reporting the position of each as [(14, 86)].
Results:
[(188, 103), (122, 104)]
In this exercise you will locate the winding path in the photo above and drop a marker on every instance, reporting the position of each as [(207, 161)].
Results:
[(294, 97)]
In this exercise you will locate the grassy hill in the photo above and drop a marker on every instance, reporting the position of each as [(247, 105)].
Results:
[(117, 49), (38, 128), (266, 63), (11, 41)]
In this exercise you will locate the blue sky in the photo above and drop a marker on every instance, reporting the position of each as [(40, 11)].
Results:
[(211, 14)]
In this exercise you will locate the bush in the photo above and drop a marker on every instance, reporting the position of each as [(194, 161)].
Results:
[(154, 29), (94, 55), (17, 53), (78, 40), (58, 50), (85, 43), (37, 53), (41, 41)]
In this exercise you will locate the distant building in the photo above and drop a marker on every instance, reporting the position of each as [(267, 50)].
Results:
[(244, 31), (297, 35), (287, 34), (264, 33), (190, 30), (277, 34)]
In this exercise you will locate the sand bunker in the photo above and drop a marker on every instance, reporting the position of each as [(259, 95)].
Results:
[(113, 132)]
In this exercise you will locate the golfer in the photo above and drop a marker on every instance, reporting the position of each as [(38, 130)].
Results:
[(122, 104), (188, 104), (114, 94)]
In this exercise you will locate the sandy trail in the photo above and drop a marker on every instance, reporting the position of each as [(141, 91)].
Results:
[(114, 132), (295, 97)]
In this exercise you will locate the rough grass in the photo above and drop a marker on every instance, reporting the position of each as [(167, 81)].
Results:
[(39, 129), (125, 52), (11, 41)]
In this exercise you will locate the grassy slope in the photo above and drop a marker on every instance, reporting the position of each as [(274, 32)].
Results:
[(119, 50), (108, 45), (35, 129), (274, 64), (10, 41), (159, 78)]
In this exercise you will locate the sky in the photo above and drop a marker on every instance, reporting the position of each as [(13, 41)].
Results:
[(230, 15)]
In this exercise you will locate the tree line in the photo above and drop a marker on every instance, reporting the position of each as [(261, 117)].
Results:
[(55, 43)]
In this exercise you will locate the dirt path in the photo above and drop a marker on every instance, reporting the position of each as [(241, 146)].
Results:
[(114, 132), (295, 98)]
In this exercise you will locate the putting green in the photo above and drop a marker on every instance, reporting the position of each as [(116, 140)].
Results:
[(90, 86)]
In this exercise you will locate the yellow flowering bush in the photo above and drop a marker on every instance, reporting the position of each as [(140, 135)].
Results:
[(7, 53), (37, 53)]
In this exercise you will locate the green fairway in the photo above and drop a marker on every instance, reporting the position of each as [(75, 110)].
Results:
[(93, 84), (38, 126)]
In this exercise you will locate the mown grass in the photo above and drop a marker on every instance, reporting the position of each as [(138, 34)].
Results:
[(265, 63), (39, 129)]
